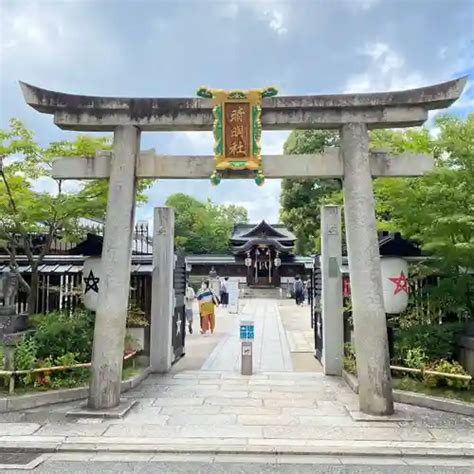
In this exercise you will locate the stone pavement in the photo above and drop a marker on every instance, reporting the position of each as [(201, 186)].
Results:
[(211, 412), (270, 348), (275, 411)]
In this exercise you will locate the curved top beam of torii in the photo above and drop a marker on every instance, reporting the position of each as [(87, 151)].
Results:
[(377, 110)]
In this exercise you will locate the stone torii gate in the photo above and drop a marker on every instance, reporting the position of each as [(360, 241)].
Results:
[(352, 114)]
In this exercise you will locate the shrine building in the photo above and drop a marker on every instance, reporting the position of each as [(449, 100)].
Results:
[(261, 255)]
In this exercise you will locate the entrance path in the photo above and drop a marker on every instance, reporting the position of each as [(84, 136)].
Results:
[(270, 347), (276, 411), (212, 411)]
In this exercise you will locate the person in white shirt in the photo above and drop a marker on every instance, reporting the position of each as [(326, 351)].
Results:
[(189, 299)]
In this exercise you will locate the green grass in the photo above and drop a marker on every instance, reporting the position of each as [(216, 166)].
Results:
[(414, 385)]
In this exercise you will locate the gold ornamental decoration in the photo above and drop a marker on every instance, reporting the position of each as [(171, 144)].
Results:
[(237, 130)]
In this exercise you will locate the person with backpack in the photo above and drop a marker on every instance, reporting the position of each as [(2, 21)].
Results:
[(298, 290), (207, 303)]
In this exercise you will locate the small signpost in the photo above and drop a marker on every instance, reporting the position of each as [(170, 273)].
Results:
[(247, 335)]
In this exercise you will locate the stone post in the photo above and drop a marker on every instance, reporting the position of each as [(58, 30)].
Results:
[(332, 312), (370, 327), (162, 293), (112, 305)]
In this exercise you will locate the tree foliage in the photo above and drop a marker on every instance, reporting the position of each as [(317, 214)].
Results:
[(204, 227), (436, 210), (32, 202), (301, 199)]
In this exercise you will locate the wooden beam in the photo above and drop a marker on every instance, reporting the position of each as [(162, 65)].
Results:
[(326, 165)]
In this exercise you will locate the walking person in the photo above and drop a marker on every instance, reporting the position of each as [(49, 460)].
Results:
[(189, 299), (224, 292), (309, 290), (298, 289), (208, 301)]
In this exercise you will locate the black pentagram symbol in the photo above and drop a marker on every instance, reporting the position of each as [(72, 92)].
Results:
[(91, 283)]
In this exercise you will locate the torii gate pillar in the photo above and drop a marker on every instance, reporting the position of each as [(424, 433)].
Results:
[(112, 306), (370, 327)]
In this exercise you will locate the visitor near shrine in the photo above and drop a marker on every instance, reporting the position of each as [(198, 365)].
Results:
[(298, 290), (224, 292), (208, 301), (189, 297)]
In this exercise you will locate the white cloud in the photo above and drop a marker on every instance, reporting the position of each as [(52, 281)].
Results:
[(274, 13), (386, 70), (41, 36)]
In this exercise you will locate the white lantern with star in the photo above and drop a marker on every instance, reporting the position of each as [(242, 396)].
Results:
[(395, 284), (91, 278)]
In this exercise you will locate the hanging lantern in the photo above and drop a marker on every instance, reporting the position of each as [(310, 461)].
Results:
[(395, 284), (277, 261), (248, 262), (91, 279)]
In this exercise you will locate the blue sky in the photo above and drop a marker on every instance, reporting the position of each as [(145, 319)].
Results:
[(169, 48)]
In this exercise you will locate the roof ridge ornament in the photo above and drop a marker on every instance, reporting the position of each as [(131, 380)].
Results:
[(237, 130)]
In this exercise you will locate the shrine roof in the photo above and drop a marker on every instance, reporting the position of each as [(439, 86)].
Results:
[(244, 232)]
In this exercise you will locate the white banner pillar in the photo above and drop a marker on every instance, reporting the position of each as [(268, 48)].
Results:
[(162, 294), (332, 311)]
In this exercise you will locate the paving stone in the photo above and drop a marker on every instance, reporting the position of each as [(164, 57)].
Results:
[(144, 417), (68, 429), (329, 421), (250, 410), (175, 402), (229, 402), (238, 388), (202, 410), (302, 432), (266, 420), (127, 430), (272, 394), (12, 429), (71, 456), (235, 431), (289, 402), (122, 457), (316, 411), (461, 435), (224, 382), (307, 459), (213, 420)]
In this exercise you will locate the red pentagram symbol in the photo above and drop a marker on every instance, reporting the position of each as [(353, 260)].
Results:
[(401, 283)]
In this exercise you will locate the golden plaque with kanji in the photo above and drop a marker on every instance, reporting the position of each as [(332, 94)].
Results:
[(237, 130)]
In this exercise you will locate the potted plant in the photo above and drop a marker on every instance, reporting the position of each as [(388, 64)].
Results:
[(136, 324)]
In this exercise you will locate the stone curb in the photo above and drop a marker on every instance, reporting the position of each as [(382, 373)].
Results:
[(33, 400), (408, 450), (419, 399)]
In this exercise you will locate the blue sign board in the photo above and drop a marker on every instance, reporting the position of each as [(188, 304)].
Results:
[(247, 331)]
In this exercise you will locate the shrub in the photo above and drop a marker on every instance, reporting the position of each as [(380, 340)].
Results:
[(416, 358), (432, 380), (26, 357), (60, 333), (436, 341), (2, 357), (136, 317), (349, 362)]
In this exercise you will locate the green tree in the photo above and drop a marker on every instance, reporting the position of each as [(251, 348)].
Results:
[(301, 198), (437, 210), (204, 227), (47, 215)]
